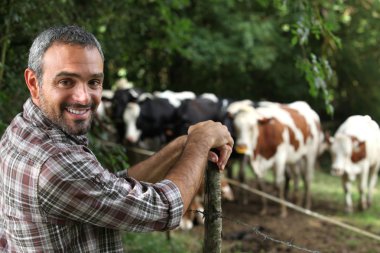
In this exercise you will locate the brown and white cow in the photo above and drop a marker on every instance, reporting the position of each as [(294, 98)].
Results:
[(278, 136), (308, 122), (355, 150)]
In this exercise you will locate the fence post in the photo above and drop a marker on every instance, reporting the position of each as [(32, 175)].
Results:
[(213, 211)]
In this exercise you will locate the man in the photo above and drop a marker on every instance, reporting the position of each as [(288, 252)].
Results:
[(55, 196)]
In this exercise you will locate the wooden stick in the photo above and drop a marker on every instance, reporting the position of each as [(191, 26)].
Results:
[(213, 211)]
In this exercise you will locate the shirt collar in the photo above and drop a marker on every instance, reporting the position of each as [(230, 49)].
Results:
[(34, 114)]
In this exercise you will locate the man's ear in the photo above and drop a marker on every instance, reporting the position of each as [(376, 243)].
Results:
[(32, 83)]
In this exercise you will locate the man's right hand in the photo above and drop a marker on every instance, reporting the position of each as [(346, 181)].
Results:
[(215, 136)]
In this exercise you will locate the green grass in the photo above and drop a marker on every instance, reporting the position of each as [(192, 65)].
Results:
[(328, 188), (180, 242)]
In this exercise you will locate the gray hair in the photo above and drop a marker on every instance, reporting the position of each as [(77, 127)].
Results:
[(72, 35)]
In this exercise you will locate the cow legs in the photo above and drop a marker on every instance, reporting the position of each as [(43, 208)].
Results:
[(292, 172), (280, 185), (372, 184), (243, 163), (363, 190), (264, 203), (243, 193), (307, 179), (243, 160), (229, 171), (347, 193)]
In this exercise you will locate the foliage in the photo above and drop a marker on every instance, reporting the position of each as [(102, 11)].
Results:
[(320, 51), (110, 154)]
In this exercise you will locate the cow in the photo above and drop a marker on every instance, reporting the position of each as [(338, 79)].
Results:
[(150, 118), (307, 119), (175, 98), (278, 136), (153, 116), (121, 98), (207, 106), (103, 113), (355, 150), (232, 109)]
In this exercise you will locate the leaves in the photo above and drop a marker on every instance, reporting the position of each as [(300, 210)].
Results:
[(277, 50)]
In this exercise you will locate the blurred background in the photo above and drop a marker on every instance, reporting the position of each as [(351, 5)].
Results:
[(323, 52)]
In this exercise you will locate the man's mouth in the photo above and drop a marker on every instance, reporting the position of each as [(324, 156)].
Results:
[(77, 111)]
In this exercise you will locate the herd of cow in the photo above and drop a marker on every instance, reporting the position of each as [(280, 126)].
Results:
[(286, 138)]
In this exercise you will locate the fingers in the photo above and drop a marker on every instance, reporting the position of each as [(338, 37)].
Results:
[(221, 160), (213, 157), (214, 135), (225, 153)]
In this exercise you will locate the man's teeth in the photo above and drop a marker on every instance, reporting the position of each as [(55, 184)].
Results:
[(79, 112)]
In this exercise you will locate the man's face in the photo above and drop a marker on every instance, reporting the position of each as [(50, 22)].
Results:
[(71, 86)]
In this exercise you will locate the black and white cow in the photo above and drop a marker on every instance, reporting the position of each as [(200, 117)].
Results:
[(153, 116), (205, 107), (104, 111), (119, 102)]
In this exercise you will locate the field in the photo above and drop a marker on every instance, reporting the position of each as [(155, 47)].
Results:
[(300, 230)]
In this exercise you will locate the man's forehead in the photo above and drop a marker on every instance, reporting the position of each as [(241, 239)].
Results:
[(63, 55)]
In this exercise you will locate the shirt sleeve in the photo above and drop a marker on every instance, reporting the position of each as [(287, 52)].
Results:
[(3, 239), (77, 188), (122, 173)]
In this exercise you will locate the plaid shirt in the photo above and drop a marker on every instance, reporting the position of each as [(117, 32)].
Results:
[(56, 197)]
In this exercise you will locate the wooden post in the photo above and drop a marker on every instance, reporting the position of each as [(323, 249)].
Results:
[(213, 211)]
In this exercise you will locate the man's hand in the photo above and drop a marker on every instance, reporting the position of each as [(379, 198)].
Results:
[(215, 136), (221, 156)]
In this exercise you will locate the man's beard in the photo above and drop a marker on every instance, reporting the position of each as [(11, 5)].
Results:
[(79, 127)]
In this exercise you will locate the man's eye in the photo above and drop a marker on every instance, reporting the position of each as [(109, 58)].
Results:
[(65, 83), (95, 83)]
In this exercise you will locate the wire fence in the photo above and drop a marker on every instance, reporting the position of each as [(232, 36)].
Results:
[(256, 230), (305, 211)]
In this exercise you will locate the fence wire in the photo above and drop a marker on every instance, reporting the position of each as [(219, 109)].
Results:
[(304, 211), (257, 231), (277, 200)]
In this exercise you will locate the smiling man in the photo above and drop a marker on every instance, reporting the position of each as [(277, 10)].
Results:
[(72, 86), (54, 194)]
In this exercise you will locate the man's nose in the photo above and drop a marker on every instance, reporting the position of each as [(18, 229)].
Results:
[(81, 93)]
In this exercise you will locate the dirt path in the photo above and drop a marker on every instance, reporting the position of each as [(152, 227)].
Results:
[(298, 229)]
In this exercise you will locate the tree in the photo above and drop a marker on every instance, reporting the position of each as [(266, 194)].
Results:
[(319, 51)]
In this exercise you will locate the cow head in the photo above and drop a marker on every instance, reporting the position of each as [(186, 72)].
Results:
[(346, 151), (325, 143), (130, 116), (245, 125)]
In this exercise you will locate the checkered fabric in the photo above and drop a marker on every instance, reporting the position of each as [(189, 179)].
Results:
[(56, 197)]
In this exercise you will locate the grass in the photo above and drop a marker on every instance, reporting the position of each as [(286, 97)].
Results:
[(179, 242), (329, 188)]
